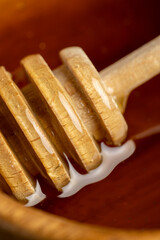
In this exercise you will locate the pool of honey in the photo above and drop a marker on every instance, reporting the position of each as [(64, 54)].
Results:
[(106, 30)]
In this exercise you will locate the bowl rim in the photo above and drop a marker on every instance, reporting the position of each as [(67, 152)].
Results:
[(33, 223)]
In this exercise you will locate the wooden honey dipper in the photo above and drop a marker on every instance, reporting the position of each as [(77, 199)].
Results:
[(65, 110)]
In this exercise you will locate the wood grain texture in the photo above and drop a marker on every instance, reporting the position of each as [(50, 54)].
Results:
[(128, 73), (38, 224), (89, 82), (45, 151), (70, 88), (64, 115), (17, 140), (17, 178), (107, 31)]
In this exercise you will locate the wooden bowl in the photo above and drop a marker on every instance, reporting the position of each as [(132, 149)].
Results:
[(106, 30)]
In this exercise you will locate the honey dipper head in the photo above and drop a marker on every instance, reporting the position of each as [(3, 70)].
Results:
[(89, 83), (60, 111)]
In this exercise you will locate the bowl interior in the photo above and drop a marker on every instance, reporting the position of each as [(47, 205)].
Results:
[(107, 31)]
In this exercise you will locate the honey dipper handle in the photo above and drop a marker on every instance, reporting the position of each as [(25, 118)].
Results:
[(122, 77)]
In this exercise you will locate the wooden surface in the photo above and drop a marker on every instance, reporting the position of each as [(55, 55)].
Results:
[(18, 180), (65, 119), (39, 225), (131, 71), (89, 83), (45, 151), (84, 110), (38, 64), (127, 26)]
